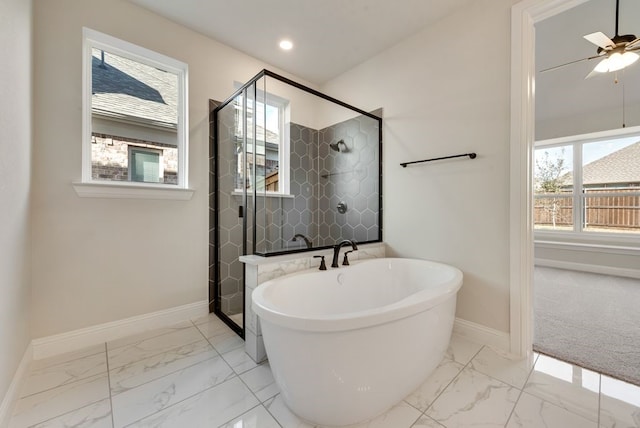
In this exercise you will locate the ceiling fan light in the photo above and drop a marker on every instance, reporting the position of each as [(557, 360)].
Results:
[(616, 62), (603, 66), (629, 58)]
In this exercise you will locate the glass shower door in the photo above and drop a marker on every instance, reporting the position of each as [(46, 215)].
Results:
[(231, 236)]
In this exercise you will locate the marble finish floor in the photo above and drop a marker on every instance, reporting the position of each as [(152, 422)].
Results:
[(196, 374)]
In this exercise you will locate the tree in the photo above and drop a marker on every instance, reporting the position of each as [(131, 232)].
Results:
[(550, 176)]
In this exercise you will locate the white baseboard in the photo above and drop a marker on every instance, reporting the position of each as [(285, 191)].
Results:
[(13, 393), (480, 334), (77, 339), (605, 270)]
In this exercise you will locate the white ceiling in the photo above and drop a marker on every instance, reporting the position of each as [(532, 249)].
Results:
[(329, 36), (333, 36), (564, 92)]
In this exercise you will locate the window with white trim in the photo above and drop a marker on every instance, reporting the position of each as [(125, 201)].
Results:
[(271, 153), (588, 185), (134, 115)]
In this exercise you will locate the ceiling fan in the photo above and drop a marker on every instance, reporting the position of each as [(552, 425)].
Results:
[(616, 53)]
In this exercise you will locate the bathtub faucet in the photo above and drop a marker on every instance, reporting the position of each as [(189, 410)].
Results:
[(336, 251), (307, 241)]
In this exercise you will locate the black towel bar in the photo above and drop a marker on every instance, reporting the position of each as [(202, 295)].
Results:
[(471, 156)]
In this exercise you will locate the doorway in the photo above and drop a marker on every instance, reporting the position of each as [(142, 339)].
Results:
[(577, 215), (524, 16)]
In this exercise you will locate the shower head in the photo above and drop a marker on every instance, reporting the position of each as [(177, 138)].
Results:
[(336, 146)]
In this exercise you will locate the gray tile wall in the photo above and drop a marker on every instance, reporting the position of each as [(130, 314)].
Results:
[(286, 217), (320, 179), (230, 225), (351, 176), (299, 218)]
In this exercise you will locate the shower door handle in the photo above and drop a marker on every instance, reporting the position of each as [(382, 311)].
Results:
[(240, 211)]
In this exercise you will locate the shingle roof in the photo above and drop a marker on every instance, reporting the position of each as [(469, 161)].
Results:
[(622, 166), (133, 91)]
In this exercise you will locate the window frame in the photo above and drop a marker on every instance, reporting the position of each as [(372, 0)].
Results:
[(578, 235), (93, 39), (577, 175), (284, 146)]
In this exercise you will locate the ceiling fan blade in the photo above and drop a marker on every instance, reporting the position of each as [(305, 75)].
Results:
[(632, 45), (569, 63), (599, 39)]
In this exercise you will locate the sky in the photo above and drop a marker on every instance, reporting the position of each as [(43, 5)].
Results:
[(595, 151), (591, 151)]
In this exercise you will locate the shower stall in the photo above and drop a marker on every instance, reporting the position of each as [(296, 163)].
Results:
[(291, 170)]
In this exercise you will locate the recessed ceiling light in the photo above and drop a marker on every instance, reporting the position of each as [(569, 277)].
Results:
[(286, 45)]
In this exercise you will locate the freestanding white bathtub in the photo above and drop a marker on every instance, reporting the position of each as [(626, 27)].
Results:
[(347, 344)]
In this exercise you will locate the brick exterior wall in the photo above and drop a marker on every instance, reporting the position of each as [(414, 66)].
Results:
[(110, 158)]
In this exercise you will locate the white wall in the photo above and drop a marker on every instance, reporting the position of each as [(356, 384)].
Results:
[(445, 91), (99, 260), (15, 170), (566, 102), (586, 123)]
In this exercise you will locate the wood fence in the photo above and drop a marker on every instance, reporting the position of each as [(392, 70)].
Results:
[(616, 209)]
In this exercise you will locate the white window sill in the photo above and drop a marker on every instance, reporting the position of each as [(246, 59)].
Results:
[(588, 247), (267, 194), (594, 239), (127, 191)]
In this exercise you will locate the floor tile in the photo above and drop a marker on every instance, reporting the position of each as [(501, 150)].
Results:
[(67, 356), (211, 408), (64, 373), (205, 318), (161, 393), (500, 366), (426, 422), (135, 338), (97, 415), (49, 404), (173, 377), (220, 336), (422, 397), (474, 399), (258, 417), (619, 404), (566, 385), (283, 415), (401, 415), (532, 412), (461, 350), (143, 371), (226, 342), (261, 382), (239, 360), (148, 347), (211, 326)]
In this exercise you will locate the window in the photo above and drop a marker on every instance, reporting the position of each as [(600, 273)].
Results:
[(554, 193), (145, 165), (588, 185), (271, 152), (135, 115)]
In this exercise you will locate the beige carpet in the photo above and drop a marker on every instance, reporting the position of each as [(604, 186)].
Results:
[(588, 319)]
